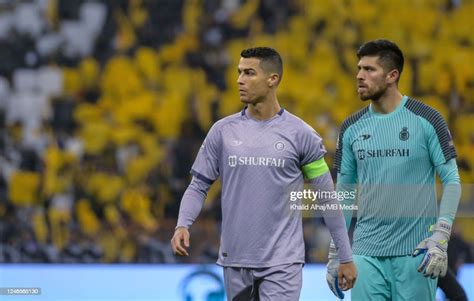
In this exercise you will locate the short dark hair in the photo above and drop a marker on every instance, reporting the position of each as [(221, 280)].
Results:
[(270, 59), (390, 55)]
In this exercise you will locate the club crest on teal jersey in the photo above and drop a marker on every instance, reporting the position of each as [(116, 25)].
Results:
[(404, 134)]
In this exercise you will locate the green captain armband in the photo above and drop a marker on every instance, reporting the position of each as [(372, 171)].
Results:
[(315, 169)]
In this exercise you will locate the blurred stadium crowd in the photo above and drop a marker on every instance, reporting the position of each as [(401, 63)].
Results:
[(104, 104)]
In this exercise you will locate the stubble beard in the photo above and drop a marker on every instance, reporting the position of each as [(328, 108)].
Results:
[(375, 96)]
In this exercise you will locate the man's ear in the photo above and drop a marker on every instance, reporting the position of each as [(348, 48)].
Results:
[(273, 80), (392, 76)]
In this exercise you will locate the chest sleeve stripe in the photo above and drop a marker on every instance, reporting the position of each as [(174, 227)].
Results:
[(315, 169)]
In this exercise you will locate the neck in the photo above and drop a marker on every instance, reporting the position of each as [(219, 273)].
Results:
[(264, 110), (388, 102)]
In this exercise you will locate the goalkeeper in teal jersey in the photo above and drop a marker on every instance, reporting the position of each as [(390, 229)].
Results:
[(390, 152)]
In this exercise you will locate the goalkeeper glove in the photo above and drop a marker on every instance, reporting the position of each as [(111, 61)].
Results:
[(435, 247), (332, 270)]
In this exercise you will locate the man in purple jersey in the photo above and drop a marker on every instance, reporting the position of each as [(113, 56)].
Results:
[(262, 155)]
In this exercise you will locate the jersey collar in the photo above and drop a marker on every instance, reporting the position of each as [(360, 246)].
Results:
[(400, 106), (242, 113)]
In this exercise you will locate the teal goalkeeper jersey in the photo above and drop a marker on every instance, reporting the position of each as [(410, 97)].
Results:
[(392, 158)]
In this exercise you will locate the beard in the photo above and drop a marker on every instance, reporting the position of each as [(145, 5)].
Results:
[(373, 95)]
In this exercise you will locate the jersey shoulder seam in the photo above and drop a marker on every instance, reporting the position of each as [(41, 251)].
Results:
[(437, 122), (353, 118)]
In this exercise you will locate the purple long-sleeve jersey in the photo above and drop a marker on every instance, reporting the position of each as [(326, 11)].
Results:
[(260, 164)]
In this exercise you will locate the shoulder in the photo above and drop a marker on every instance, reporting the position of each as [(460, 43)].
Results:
[(426, 112), (435, 125), (353, 119), (217, 130), (221, 123), (298, 124)]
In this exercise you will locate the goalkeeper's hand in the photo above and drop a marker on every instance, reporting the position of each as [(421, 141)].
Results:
[(333, 279), (340, 277), (435, 247)]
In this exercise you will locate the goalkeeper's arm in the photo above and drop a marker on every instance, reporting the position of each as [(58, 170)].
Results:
[(449, 175), (435, 260)]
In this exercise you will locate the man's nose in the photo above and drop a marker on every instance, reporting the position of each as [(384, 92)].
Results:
[(240, 80)]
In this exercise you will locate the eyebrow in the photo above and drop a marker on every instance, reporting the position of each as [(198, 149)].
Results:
[(246, 69), (360, 66)]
